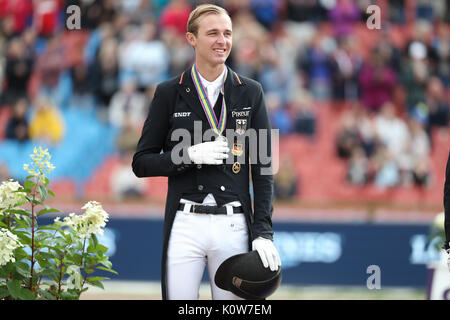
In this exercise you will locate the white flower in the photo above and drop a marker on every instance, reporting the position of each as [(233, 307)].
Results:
[(75, 279), (438, 222), (41, 165), (9, 197), (92, 221), (8, 243)]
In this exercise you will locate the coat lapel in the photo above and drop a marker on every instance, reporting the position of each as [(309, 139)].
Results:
[(189, 94)]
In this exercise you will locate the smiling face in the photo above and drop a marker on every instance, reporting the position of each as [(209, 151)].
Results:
[(212, 41)]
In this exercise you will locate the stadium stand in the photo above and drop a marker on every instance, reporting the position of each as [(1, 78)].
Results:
[(88, 155)]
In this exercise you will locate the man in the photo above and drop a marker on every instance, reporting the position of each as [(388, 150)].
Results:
[(208, 215)]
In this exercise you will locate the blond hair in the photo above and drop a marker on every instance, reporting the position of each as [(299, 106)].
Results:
[(204, 9)]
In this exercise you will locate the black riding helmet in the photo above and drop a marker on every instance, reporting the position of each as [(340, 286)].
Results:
[(245, 276)]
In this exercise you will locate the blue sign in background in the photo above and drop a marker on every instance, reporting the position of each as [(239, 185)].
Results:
[(311, 253)]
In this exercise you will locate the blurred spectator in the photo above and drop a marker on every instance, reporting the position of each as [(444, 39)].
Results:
[(316, 62), (397, 11), (306, 10), (304, 114), (128, 104), (95, 13), (18, 11), (181, 53), (392, 132), (386, 169), (266, 11), (105, 73), (356, 132), (46, 16), (285, 183), (419, 150), (124, 183), (17, 127), (358, 167), (145, 55), (4, 172), (347, 139), (346, 64), (80, 90), (280, 117), (343, 15), (376, 80), (46, 124), (49, 68), (249, 36), (438, 106), (175, 15), (415, 74), (274, 76), (19, 67), (440, 45)]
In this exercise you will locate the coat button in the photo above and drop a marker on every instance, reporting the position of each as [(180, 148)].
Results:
[(200, 187), (222, 188), (199, 166)]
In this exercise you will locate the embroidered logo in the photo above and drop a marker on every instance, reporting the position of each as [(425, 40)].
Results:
[(240, 113), (181, 114)]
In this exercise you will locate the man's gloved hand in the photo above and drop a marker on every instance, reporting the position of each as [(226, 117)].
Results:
[(211, 152), (267, 252)]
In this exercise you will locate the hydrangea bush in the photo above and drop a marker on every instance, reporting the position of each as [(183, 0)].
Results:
[(47, 262)]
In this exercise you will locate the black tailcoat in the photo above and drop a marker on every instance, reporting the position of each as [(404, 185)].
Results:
[(447, 203), (176, 106)]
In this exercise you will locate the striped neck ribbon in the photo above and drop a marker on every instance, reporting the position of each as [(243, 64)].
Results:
[(208, 108)]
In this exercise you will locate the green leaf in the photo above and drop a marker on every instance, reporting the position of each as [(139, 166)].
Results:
[(26, 294), (69, 295), (50, 192), (29, 184), (43, 192), (14, 288), (43, 211), (95, 283), (23, 269), (106, 263), (4, 292), (108, 269), (94, 240), (101, 249), (46, 294), (22, 212)]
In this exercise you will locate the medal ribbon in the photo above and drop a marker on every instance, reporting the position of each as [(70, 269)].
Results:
[(217, 126)]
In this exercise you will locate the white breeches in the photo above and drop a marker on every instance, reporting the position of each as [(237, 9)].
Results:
[(199, 240)]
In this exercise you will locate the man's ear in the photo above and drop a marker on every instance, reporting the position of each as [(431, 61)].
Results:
[(190, 37)]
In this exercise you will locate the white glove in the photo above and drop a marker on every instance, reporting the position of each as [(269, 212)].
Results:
[(267, 252), (211, 152)]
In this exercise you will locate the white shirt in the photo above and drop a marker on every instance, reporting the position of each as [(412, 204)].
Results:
[(212, 90)]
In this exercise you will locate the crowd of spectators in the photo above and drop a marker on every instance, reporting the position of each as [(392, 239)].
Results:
[(126, 47)]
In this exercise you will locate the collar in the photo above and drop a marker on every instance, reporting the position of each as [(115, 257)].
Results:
[(216, 83), (185, 78)]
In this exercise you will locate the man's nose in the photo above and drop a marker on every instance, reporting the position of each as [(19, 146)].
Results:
[(221, 38)]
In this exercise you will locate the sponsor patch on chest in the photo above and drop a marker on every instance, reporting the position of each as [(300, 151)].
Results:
[(181, 114), (240, 113)]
